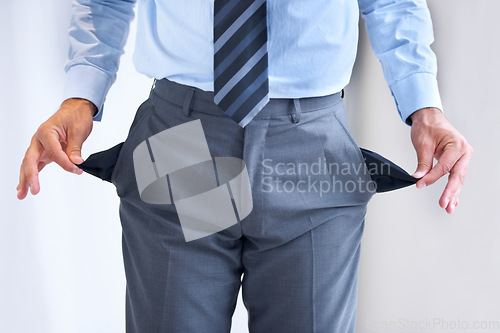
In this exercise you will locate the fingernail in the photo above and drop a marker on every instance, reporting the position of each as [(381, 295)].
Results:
[(418, 174), (77, 159), (446, 202)]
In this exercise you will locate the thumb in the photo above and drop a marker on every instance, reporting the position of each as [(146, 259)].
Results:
[(74, 146), (425, 160)]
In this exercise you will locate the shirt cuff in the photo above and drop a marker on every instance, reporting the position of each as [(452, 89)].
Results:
[(416, 92), (87, 82)]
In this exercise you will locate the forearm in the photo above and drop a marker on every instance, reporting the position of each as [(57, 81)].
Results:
[(401, 33), (97, 36)]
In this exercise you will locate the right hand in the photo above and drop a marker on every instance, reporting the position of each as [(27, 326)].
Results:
[(60, 140)]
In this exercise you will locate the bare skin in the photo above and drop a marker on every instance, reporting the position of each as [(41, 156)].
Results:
[(60, 140), (433, 136)]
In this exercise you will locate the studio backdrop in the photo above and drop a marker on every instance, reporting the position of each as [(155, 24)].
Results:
[(422, 270)]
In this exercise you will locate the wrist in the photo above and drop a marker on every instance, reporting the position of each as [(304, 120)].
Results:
[(81, 103), (426, 115)]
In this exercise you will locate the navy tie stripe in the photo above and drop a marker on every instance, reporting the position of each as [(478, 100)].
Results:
[(241, 83), (230, 54), (241, 54)]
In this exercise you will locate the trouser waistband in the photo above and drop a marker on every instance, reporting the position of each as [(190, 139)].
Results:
[(192, 98)]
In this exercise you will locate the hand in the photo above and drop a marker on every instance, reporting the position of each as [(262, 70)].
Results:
[(58, 139), (433, 136)]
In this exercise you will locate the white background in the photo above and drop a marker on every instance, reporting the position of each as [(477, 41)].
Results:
[(61, 269)]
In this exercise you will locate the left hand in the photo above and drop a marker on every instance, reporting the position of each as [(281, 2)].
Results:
[(433, 136)]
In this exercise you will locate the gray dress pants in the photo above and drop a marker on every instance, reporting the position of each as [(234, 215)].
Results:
[(295, 255)]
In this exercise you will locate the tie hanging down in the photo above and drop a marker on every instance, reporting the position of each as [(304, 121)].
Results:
[(241, 84)]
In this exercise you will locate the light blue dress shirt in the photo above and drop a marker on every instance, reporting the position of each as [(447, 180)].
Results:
[(311, 46)]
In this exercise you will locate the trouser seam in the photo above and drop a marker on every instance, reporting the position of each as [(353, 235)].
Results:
[(313, 309)]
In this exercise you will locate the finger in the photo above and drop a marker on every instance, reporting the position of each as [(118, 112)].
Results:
[(451, 206), (22, 187), (28, 175), (74, 147), (30, 165), (425, 155), (41, 165), (52, 146), (449, 198), (444, 166)]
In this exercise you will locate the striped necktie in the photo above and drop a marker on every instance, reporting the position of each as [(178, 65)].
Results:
[(241, 84)]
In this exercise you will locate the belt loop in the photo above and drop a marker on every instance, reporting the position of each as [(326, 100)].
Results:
[(296, 113), (187, 102), (342, 94)]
